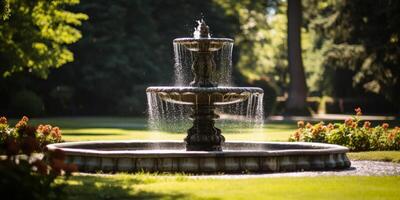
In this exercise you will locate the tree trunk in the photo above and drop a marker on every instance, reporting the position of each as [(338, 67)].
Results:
[(296, 103)]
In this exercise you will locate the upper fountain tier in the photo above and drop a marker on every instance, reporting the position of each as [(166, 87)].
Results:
[(202, 41), (204, 90)]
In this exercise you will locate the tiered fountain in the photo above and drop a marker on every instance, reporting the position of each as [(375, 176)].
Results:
[(204, 150)]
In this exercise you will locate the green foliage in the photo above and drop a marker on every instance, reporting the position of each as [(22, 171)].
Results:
[(263, 44), (36, 34), (4, 9), (361, 36), (350, 134), (262, 39), (126, 47)]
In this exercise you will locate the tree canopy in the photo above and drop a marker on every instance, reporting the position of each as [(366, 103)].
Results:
[(35, 35), (350, 49)]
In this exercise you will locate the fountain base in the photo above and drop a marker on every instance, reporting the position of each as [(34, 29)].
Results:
[(171, 156)]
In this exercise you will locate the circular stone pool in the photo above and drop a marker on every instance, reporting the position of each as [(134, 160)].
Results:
[(171, 156)]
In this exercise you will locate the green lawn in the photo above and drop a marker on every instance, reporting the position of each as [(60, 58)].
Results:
[(117, 128), (122, 186), (145, 186), (390, 156)]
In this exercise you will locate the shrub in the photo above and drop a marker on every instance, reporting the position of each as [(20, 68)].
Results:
[(350, 134), (24, 174)]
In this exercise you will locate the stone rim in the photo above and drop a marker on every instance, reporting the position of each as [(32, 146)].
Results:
[(172, 89), (313, 149), (317, 157), (190, 40)]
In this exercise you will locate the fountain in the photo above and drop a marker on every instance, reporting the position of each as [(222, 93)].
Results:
[(204, 150)]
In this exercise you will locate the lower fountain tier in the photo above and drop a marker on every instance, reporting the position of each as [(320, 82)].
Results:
[(170, 156), (205, 95)]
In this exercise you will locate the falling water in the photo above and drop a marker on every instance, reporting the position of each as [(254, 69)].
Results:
[(184, 59), (170, 117), (167, 116)]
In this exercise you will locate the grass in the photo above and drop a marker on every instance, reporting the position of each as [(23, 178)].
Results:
[(142, 186), (118, 128), (390, 156), (145, 186)]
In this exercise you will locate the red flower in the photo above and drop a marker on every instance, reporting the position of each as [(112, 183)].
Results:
[(348, 122), (385, 126), (391, 136), (330, 126), (22, 123), (44, 129), (367, 124), (56, 133), (3, 120), (297, 136), (358, 111), (300, 124)]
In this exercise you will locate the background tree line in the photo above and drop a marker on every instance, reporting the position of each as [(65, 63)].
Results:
[(350, 49)]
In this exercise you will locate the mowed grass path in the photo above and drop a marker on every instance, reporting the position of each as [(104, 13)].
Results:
[(119, 128), (144, 186)]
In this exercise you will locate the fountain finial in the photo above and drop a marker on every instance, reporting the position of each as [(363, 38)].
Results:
[(202, 30)]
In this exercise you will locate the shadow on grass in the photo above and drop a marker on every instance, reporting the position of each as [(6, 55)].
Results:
[(91, 187)]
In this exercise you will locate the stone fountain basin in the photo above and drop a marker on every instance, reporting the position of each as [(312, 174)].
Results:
[(204, 95), (171, 156)]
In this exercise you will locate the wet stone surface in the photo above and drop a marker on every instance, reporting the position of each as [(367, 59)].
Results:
[(358, 168)]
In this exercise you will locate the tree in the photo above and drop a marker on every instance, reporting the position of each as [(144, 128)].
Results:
[(296, 103), (359, 40), (35, 36), (4, 9), (126, 47)]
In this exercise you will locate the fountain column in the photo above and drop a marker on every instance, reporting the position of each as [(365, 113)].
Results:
[(203, 135)]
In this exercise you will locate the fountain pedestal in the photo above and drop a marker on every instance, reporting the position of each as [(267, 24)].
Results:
[(203, 135)]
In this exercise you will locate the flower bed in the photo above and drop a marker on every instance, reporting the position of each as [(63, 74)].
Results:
[(354, 133), (23, 173)]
